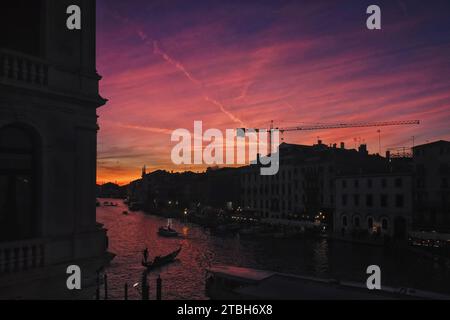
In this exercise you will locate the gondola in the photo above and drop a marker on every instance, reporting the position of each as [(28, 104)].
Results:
[(160, 261)]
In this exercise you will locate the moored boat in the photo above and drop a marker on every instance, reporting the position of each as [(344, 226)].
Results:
[(110, 204), (134, 206)]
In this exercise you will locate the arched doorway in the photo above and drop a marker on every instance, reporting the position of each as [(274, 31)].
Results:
[(18, 183), (400, 228)]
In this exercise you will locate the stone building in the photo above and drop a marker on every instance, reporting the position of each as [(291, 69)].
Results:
[(374, 204), (304, 186), (432, 186), (48, 130)]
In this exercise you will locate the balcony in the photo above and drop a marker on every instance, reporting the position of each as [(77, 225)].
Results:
[(22, 69), (33, 73), (21, 256)]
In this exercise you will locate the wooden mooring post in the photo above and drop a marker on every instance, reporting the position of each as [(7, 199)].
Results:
[(106, 286), (97, 290), (159, 288), (145, 287)]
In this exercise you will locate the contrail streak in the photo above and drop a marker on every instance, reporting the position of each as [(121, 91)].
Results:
[(176, 64), (222, 108), (181, 68), (137, 127), (143, 128), (157, 51)]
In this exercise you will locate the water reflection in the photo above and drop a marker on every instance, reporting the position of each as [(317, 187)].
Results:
[(129, 235)]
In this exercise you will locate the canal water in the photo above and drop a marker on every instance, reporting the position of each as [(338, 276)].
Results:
[(185, 279)]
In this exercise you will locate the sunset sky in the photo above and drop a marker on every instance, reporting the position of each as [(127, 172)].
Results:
[(166, 64)]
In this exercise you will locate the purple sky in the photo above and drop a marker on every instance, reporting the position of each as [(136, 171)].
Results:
[(244, 63)]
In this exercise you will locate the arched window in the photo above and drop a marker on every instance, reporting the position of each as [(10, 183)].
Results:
[(370, 223), (344, 221), (18, 179), (384, 224), (356, 222)]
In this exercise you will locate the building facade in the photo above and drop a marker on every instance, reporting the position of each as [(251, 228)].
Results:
[(432, 186), (374, 204), (48, 138), (305, 184)]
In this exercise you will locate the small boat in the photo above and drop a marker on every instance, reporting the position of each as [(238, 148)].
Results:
[(125, 213), (160, 261), (167, 232), (110, 204)]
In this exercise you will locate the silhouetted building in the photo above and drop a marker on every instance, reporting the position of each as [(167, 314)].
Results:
[(224, 187), (354, 191), (165, 192), (432, 186), (304, 185), (111, 190), (48, 131)]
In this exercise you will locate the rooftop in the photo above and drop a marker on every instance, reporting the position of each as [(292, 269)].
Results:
[(434, 143), (260, 284)]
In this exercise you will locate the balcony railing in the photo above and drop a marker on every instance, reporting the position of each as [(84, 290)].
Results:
[(21, 256), (23, 69)]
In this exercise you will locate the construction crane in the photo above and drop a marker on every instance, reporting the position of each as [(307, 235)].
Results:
[(347, 125), (335, 126)]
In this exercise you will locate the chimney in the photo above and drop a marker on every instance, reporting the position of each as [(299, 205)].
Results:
[(388, 155), (342, 145), (363, 149), (319, 142)]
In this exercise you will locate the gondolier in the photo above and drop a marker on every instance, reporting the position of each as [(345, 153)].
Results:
[(145, 255)]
